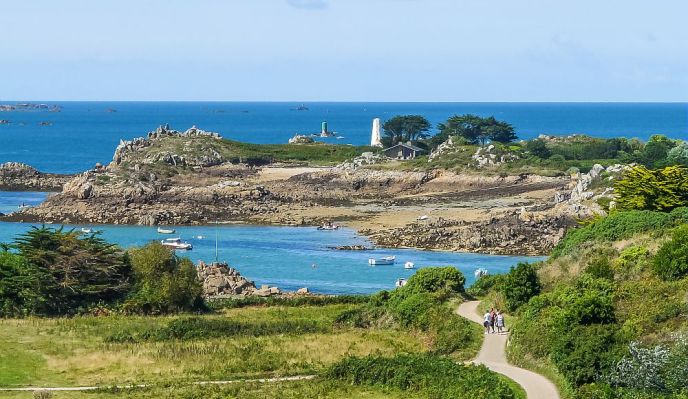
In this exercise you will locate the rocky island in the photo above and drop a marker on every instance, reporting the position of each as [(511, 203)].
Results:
[(197, 177)]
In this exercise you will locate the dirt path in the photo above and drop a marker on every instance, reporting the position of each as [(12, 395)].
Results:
[(493, 355)]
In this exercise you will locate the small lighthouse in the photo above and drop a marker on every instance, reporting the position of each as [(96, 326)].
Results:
[(375, 134)]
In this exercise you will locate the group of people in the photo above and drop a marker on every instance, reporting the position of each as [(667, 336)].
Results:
[(493, 321)]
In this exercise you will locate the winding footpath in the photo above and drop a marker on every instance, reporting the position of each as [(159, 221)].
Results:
[(493, 355)]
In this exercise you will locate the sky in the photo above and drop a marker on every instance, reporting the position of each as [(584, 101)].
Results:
[(344, 50)]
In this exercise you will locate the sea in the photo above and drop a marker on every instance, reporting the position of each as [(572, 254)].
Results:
[(84, 133)]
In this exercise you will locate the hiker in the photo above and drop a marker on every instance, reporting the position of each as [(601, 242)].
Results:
[(500, 322), (493, 319), (487, 320)]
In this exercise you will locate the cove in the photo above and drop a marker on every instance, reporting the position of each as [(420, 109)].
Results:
[(295, 257)]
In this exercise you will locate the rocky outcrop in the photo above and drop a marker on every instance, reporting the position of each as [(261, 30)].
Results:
[(490, 156), (219, 280), (15, 176), (301, 139), (365, 159), (587, 189), (510, 234)]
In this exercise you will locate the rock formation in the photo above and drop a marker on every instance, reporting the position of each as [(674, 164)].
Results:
[(15, 176)]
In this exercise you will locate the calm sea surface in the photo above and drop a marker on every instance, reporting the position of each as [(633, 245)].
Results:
[(87, 132), (284, 256)]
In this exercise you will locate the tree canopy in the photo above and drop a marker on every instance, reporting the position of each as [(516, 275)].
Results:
[(475, 129), (658, 190), (402, 128)]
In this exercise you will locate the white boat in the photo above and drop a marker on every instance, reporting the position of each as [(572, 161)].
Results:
[(165, 231), (24, 206), (400, 283), (422, 217), (86, 230), (387, 260), (328, 227), (176, 243), (480, 273), (409, 265)]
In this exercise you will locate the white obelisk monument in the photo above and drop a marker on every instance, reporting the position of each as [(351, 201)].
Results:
[(375, 135)]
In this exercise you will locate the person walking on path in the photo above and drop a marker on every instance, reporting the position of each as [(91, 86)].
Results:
[(500, 322), (487, 320), (493, 319)]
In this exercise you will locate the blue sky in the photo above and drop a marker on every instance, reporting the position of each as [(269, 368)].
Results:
[(344, 50)]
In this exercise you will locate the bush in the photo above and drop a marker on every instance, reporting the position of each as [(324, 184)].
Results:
[(295, 301), (521, 284), (582, 353), (671, 261), (600, 267), (432, 376), (659, 190), (412, 310), (484, 284), (619, 226), (164, 282), (631, 260), (441, 280)]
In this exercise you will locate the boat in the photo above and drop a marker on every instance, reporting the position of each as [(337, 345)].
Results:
[(300, 108), (400, 283), (328, 227), (176, 243), (409, 265), (165, 231), (422, 217), (24, 206), (86, 230), (387, 260), (480, 273)]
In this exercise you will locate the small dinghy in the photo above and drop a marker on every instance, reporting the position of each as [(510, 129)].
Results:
[(328, 227), (409, 265), (400, 283), (387, 260), (86, 230), (480, 273), (165, 231), (422, 217), (176, 243)]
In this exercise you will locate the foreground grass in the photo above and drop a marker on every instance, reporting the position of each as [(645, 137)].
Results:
[(54, 352), (320, 389)]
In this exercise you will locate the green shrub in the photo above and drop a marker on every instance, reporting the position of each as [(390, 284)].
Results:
[(658, 190), (443, 280), (671, 261), (485, 284), (413, 310), (600, 267), (432, 376), (164, 282), (619, 226), (453, 333), (582, 353), (631, 260), (295, 301), (521, 284)]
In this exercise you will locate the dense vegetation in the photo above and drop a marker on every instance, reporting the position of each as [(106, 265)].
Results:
[(50, 272), (609, 321)]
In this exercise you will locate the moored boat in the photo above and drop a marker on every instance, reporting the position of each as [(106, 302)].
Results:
[(409, 265), (328, 227), (400, 283), (86, 230), (176, 243), (165, 231), (387, 260)]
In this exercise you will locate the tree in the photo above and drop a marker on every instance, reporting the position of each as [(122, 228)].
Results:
[(521, 284), (71, 272), (402, 128), (538, 148), (474, 129), (164, 282), (657, 190), (671, 261)]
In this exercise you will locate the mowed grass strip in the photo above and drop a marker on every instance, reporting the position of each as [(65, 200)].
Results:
[(75, 351)]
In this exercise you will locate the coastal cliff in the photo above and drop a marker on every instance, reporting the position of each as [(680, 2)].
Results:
[(197, 177), (15, 176)]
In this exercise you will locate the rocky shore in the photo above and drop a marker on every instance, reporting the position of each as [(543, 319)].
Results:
[(172, 177), (15, 176)]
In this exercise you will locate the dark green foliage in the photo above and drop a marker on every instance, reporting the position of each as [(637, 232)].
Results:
[(521, 284), (582, 353), (586, 147), (600, 267), (657, 190), (412, 310), (671, 261), (486, 283), (434, 377), (164, 282), (63, 272), (18, 286), (538, 148), (203, 328), (474, 129), (655, 152), (403, 128), (439, 280), (618, 226)]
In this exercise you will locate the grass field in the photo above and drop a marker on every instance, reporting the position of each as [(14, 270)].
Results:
[(80, 351)]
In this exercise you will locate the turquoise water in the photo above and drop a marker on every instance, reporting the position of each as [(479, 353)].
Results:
[(85, 132), (284, 256), (11, 200)]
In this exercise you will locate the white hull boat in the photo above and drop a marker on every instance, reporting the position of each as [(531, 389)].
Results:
[(176, 243), (387, 260), (409, 265), (328, 227), (480, 273), (400, 283), (86, 230), (165, 231)]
